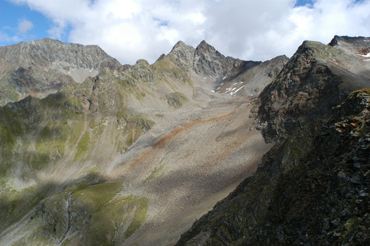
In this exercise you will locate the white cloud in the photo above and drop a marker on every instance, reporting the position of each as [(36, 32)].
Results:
[(250, 30), (24, 26), (57, 30), (18, 33), (4, 37)]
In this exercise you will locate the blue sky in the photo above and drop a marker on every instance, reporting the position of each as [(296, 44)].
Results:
[(303, 2), (11, 18), (134, 29)]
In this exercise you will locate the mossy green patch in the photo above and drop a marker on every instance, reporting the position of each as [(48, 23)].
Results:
[(109, 223), (82, 147), (176, 99), (140, 216), (94, 197)]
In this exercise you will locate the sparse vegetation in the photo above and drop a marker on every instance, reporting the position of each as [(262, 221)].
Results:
[(176, 99)]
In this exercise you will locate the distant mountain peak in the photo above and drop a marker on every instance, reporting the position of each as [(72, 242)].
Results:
[(359, 40), (179, 45), (356, 46), (43, 66), (205, 47)]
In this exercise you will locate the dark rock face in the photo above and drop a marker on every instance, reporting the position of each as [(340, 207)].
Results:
[(307, 192), (306, 90)]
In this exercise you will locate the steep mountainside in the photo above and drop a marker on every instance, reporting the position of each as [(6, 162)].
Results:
[(311, 192), (314, 80), (312, 187), (111, 154)]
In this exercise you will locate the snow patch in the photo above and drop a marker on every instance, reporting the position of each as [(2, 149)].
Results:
[(239, 89), (367, 55)]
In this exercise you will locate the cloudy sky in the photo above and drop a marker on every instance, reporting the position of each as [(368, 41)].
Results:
[(133, 29)]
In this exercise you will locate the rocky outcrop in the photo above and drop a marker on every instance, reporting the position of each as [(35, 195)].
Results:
[(311, 189), (314, 80)]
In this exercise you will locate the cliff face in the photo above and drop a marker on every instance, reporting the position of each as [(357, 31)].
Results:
[(312, 187)]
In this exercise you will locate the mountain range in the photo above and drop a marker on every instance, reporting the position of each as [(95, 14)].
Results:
[(194, 149)]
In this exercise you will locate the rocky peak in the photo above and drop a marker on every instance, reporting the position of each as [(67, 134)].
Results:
[(182, 55), (180, 45), (204, 47), (209, 62), (315, 79)]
